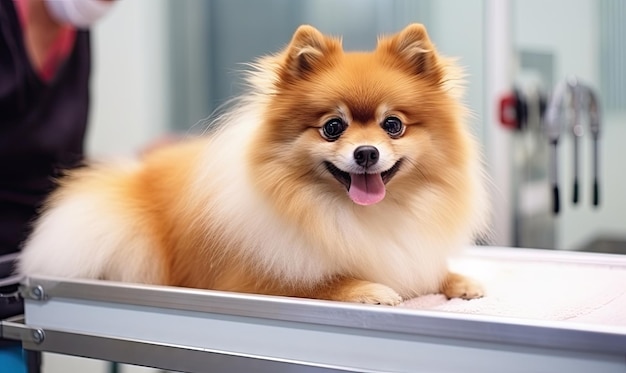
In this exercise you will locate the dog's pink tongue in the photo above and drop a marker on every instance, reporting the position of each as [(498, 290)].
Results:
[(366, 189)]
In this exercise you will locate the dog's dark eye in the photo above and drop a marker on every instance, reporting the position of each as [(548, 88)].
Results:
[(393, 126), (333, 129)]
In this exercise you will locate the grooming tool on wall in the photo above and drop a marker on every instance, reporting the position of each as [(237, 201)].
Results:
[(568, 102), (565, 111), (577, 132), (594, 125), (553, 123)]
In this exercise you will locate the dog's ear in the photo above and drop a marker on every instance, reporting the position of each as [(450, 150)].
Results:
[(414, 48), (308, 49)]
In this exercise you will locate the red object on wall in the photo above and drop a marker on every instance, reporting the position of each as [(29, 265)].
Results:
[(508, 111)]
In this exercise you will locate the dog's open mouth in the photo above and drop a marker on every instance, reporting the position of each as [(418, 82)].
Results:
[(364, 189)]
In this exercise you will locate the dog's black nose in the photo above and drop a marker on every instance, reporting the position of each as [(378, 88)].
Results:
[(366, 155)]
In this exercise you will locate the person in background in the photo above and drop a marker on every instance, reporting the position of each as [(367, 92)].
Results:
[(45, 62)]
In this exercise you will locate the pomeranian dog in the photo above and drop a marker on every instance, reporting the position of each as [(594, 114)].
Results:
[(347, 176)]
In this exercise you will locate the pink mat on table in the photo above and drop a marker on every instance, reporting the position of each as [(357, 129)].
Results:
[(589, 289)]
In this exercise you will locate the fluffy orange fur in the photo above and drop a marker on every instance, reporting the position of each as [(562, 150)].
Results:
[(252, 206)]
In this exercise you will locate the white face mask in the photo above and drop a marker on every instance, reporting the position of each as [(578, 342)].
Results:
[(78, 13)]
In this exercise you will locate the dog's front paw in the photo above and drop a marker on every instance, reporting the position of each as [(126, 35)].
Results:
[(369, 293), (458, 286)]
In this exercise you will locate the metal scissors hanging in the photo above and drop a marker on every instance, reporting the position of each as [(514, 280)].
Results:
[(569, 100)]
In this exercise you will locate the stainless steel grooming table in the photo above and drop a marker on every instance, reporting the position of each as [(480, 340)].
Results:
[(207, 331)]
